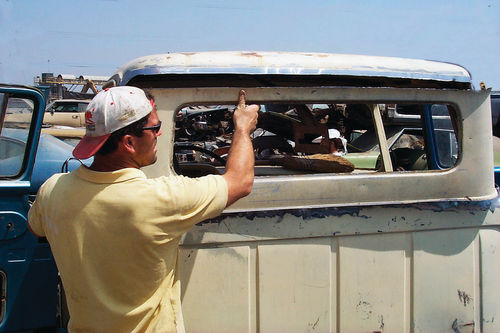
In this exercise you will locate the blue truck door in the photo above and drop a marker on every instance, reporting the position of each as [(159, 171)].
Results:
[(28, 275)]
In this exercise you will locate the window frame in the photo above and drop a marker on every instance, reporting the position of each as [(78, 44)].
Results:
[(26, 168), (333, 190)]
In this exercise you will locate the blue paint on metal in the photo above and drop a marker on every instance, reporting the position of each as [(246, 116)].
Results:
[(50, 156), (497, 175), (30, 280), (471, 206), (431, 147), (320, 213)]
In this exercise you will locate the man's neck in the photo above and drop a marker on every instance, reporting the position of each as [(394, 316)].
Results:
[(111, 162)]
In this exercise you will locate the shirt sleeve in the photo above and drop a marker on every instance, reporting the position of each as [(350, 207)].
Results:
[(36, 214), (35, 217), (191, 200)]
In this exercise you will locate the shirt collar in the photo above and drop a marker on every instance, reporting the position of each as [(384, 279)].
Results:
[(109, 177)]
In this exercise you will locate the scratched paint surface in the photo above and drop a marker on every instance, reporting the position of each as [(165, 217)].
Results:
[(408, 268), (327, 253), (325, 222), (291, 63)]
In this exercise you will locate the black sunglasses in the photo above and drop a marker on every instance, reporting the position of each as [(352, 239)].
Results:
[(155, 128)]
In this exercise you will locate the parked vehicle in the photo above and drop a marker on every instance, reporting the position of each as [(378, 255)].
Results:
[(66, 112), (51, 156), (28, 275), (404, 241), (64, 119)]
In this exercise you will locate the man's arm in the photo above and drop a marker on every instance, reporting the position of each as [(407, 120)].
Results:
[(240, 162), (34, 218), (31, 230)]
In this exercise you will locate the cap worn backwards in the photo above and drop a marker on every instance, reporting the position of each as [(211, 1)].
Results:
[(110, 110)]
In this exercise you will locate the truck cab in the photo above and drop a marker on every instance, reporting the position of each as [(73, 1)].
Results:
[(398, 232), (402, 241)]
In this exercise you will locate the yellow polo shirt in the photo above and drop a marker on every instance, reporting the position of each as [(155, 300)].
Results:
[(115, 237)]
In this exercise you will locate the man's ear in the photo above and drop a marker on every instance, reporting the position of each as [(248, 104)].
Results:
[(127, 143)]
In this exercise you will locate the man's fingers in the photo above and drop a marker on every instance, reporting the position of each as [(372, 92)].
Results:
[(242, 99)]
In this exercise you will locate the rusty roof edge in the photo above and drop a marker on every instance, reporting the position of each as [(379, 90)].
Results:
[(289, 63)]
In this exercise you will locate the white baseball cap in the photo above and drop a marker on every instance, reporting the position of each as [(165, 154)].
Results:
[(335, 134), (110, 110)]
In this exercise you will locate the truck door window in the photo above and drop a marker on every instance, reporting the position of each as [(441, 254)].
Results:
[(444, 135), (307, 138), (424, 137), (14, 135)]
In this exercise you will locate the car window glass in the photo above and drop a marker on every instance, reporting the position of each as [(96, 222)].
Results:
[(445, 137), (339, 138), (67, 107), (495, 114), (14, 135)]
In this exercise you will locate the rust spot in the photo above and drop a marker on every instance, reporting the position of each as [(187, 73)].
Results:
[(457, 325), (381, 321), (251, 54), (464, 297), (454, 326), (313, 325), (364, 309)]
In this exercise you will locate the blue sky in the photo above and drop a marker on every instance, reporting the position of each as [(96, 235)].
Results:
[(95, 37)]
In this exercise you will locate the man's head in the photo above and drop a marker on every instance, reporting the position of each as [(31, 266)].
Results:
[(336, 143), (114, 112)]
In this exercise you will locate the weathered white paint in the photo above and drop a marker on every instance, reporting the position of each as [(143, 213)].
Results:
[(366, 252), (241, 62), (420, 272)]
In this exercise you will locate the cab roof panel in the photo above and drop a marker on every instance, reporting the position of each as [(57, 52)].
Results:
[(290, 64)]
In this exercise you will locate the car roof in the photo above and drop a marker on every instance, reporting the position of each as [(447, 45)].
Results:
[(66, 101), (289, 64)]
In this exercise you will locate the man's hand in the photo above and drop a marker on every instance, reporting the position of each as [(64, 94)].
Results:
[(245, 117), (240, 162)]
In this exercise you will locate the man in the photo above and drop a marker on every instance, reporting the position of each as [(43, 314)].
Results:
[(336, 143), (114, 233)]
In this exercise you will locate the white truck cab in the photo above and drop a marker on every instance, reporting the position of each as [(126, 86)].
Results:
[(405, 239)]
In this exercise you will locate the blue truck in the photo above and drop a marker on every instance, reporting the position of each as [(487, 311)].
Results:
[(30, 298)]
